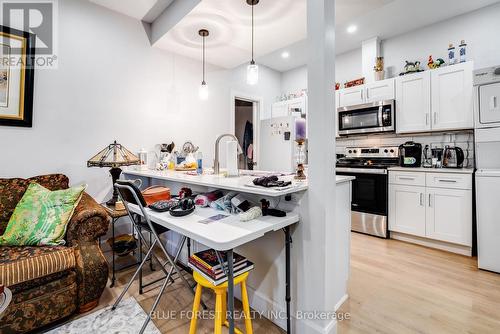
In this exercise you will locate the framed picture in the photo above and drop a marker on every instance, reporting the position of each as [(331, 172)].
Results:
[(17, 55)]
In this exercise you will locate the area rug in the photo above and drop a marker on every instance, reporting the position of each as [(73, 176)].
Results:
[(126, 319)]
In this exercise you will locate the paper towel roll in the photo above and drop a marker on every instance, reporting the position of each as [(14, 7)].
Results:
[(232, 158)]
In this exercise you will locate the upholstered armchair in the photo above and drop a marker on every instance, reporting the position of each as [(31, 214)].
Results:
[(55, 281)]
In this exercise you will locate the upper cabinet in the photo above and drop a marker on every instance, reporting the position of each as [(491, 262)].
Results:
[(452, 105), (413, 103), (379, 90), (435, 100), (296, 106), (372, 92)]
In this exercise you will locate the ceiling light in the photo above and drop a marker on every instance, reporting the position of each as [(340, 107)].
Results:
[(252, 69), (352, 29), (285, 54), (203, 91)]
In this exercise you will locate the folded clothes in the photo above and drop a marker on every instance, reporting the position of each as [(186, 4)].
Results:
[(270, 182)]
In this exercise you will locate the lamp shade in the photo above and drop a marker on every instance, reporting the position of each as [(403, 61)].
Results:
[(114, 155)]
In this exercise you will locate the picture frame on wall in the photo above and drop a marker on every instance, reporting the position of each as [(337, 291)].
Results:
[(17, 60)]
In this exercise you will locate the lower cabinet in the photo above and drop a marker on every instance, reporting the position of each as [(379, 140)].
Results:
[(407, 209), (441, 213), (449, 215)]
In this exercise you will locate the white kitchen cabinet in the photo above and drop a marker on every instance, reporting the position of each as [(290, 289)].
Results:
[(352, 96), (413, 102), (448, 215), (380, 91), (435, 207), (296, 106), (279, 109), (368, 93), (451, 97), (407, 209)]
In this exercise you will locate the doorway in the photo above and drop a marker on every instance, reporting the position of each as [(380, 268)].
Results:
[(245, 126)]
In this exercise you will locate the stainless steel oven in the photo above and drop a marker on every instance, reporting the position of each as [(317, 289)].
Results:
[(367, 118), (370, 196)]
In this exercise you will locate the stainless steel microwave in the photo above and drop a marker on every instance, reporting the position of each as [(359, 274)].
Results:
[(367, 118)]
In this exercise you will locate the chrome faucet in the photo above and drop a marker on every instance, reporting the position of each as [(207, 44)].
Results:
[(217, 144)]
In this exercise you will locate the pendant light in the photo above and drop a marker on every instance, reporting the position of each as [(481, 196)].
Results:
[(252, 69), (203, 92)]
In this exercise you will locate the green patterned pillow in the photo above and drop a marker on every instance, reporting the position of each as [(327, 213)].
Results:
[(41, 217)]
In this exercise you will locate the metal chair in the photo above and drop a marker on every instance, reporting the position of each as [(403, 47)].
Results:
[(131, 195)]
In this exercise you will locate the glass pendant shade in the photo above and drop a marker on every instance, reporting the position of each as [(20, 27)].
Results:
[(252, 74), (203, 91)]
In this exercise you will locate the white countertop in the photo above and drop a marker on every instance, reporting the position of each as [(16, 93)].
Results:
[(240, 183), (433, 170), (224, 234)]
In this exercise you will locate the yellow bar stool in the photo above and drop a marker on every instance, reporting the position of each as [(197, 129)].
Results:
[(220, 303)]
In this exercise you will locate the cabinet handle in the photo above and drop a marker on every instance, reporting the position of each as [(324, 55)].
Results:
[(429, 200), (447, 181), (435, 118), (427, 119), (407, 178), (493, 103), (362, 94), (421, 199)]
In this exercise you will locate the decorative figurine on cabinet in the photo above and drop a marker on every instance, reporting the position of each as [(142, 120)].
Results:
[(434, 64), (379, 68), (411, 67)]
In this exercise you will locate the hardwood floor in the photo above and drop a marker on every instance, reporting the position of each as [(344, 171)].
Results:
[(395, 287)]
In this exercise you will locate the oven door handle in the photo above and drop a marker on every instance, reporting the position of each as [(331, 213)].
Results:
[(348, 170), (381, 116)]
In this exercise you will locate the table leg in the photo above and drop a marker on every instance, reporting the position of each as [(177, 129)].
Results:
[(113, 252), (230, 290), (288, 241)]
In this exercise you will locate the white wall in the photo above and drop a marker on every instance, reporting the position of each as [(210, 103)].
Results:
[(348, 67), (111, 84), (479, 29)]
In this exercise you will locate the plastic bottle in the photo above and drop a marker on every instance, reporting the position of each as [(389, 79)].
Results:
[(463, 51), (199, 163), (451, 55)]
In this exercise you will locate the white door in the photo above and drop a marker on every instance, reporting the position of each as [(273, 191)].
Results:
[(449, 215), (452, 103), (407, 209), (380, 90), (488, 224), (352, 96), (489, 104), (413, 104)]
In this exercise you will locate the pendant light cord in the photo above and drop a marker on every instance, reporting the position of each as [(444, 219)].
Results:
[(253, 61), (203, 82)]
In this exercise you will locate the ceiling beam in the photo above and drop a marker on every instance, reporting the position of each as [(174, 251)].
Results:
[(170, 17)]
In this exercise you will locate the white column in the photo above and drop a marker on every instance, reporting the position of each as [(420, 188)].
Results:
[(319, 272), (370, 51)]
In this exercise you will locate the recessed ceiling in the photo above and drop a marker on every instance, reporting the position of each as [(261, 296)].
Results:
[(282, 26), (277, 23)]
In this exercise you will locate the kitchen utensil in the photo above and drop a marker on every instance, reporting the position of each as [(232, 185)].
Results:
[(410, 154), (437, 157), (453, 157)]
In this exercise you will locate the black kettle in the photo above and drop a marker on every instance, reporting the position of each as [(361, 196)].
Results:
[(453, 157)]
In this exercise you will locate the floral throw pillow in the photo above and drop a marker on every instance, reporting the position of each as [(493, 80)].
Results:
[(41, 216)]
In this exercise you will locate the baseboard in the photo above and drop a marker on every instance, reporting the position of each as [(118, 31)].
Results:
[(261, 303), (441, 245)]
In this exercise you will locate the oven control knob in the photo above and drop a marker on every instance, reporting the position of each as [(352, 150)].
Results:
[(386, 151), (392, 151), (355, 151), (350, 151)]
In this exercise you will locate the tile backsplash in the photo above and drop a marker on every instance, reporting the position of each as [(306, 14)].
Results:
[(462, 139)]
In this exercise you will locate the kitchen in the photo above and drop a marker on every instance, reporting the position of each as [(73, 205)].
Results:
[(373, 214)]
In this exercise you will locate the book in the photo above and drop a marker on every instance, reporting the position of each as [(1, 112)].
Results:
[(218, 274), (248, 267), (208, 259)]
